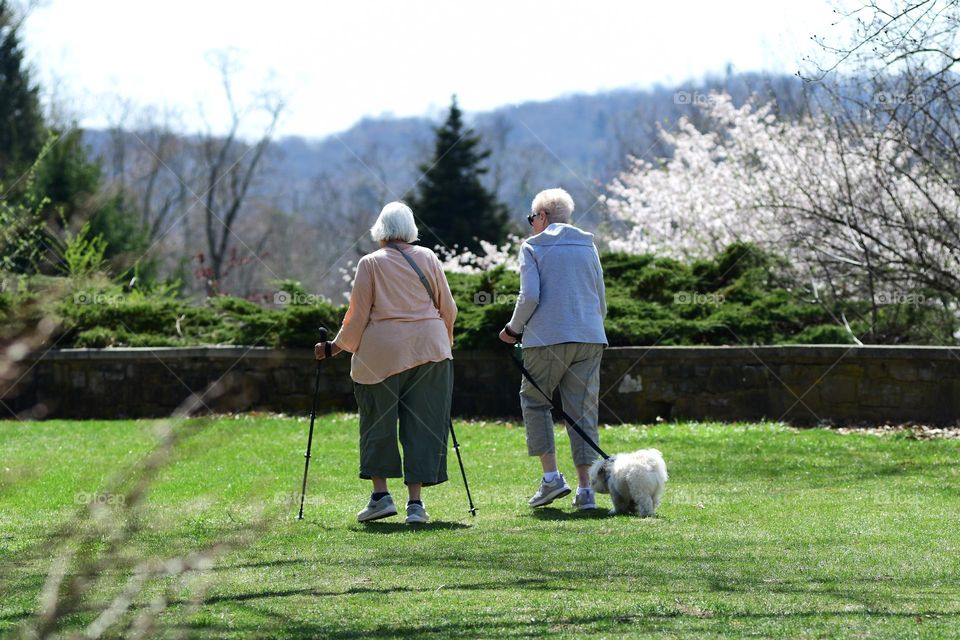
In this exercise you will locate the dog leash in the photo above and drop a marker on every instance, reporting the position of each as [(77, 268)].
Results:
[(566, 416)]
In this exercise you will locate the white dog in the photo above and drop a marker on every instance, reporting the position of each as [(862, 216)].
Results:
[(635, 481)]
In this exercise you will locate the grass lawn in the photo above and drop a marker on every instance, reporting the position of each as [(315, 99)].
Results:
[(764, 531)]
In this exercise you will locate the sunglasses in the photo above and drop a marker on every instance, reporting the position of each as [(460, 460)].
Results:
[(531, 218)]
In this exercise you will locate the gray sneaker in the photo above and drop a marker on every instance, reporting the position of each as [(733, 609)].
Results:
[(549, 491), (585, 500), (416, 514), (382, 508)]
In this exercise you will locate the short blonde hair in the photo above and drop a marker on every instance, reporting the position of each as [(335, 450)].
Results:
[(556, 202), (395, 222)]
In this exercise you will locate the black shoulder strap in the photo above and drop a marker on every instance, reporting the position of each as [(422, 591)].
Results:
[(423, 278)]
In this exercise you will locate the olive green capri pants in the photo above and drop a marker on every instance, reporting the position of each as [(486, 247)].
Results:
[(419, 398)]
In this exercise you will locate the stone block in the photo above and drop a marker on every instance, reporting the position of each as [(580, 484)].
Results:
[(723, 379), (904, 371), (919, 396), (928, 371), (755, 376), (630, 384), (115, 373), (660, 390), (838, 390), (284, 378), (651, 373), (872, 393), (752, 404), (78, 379), (95, 385), (691, 385), (878, 371), (489, 372), (297, 403), (796, 374), (680, 372)]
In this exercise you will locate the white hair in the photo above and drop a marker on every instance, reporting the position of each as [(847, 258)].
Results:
[(556, 202), (395, 222)]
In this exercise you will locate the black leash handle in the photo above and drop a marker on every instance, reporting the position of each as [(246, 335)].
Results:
[(566, 416)]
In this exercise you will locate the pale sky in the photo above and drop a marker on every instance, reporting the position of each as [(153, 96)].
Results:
[(336, 62)]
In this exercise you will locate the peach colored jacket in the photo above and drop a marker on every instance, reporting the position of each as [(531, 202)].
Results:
[(391, 325)]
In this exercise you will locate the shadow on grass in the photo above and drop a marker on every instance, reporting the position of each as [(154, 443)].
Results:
[(263, 564), (539, 584), (552, 513), (591, 514), (524, 583), (400, 527), (486, 625)]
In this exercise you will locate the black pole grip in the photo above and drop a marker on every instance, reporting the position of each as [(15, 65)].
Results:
[(326, 345)]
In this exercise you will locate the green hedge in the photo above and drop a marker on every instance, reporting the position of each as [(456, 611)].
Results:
[(731, 300), (222, 320)]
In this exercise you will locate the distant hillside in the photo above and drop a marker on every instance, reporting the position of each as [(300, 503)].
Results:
[(578, 142)]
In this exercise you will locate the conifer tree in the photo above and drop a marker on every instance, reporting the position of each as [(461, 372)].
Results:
[(452, 205), (22, 131)]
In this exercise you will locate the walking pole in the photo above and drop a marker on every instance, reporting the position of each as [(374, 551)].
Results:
[(313, 417), (456, 447)]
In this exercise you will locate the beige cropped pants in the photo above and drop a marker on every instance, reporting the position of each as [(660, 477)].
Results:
[(574, 367)]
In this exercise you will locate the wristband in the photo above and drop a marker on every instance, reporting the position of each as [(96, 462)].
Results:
[(510, 332)]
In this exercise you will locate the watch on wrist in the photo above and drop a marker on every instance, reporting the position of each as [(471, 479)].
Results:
[(510, 332)]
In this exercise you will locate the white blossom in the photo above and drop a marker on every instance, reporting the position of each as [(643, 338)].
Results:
[(492, 255), (798, 189)]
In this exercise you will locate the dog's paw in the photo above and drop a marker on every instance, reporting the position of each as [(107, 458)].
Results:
[(613, 512)]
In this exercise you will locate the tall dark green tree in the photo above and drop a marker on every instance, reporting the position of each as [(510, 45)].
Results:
[(22, 132), (452, 205), (71, 182), (41, 194)]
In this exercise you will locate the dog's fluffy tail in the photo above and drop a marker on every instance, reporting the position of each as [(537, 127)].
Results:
[(657, 462)]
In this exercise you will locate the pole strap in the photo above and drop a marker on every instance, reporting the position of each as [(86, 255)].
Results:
[(423, 278)]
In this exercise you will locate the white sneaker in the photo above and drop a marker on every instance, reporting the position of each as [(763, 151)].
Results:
[(549, 491), (416, 514), (585, 499), (382, 508)]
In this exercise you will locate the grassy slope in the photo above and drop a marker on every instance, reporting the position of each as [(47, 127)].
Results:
[(764, 531)]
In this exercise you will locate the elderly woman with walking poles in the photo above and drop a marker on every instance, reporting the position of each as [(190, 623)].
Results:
[(399, 328), (559, 314)]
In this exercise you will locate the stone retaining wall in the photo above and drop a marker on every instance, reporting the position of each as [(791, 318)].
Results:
[(799, 384)]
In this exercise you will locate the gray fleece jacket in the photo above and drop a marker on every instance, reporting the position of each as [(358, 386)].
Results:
[(562, 297)]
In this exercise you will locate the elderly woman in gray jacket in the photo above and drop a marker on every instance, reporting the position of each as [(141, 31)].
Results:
[(559, 312)]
